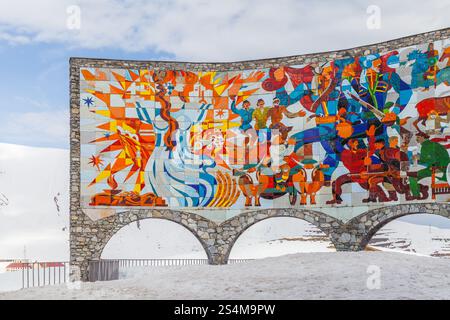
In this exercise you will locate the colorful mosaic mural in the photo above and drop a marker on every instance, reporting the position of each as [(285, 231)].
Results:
[(364, 130)]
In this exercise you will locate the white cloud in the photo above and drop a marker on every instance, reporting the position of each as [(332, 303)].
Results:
[(14, 39), (45, 128), (217, 30)]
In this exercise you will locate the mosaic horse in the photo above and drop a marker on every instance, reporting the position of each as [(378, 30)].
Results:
[(431, 106)]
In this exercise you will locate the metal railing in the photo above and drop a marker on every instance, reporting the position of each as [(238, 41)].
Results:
[(160, 262), (39, 274), (103, 270), (168, 262), (233, 261), (108, 269)]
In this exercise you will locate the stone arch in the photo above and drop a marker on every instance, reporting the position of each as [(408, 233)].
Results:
[(368, 223), (195, 227), (232, 229), (88, 242)]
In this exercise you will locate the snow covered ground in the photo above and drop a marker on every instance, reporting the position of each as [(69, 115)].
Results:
[(331, 275), (10, 281)]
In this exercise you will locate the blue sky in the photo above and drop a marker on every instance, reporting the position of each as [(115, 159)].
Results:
[(36, 42), (35, 87)]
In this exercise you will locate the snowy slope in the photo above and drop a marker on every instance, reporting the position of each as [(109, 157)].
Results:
[(154, 238), (280, 236), (30, 179), (407, 237), (331, 275)]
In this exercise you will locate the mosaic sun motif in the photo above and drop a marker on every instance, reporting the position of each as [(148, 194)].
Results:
[(363, 130)]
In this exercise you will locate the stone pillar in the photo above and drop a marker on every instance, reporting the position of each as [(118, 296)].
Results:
[(87, 240), (79, 259), (346, 238), (348, 246), (218, 259)]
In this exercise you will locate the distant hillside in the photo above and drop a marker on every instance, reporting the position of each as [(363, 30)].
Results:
[(403, 236), (34, 181)]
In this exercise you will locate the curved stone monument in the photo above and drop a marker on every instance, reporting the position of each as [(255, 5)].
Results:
[(347, 140)]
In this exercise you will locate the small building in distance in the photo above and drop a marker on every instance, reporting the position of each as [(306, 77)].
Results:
[(25, 264)]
